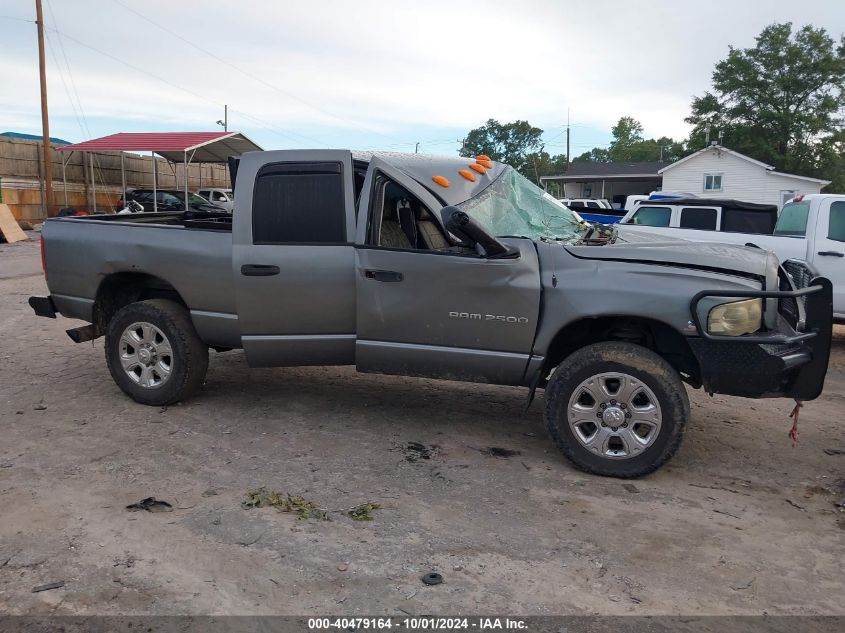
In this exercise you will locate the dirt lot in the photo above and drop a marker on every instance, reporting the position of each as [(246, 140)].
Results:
[(739, 522)]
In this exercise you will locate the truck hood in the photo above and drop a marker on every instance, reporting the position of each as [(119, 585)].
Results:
[(746, 261)]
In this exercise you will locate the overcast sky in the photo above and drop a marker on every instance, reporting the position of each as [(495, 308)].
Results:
[(375, 75)]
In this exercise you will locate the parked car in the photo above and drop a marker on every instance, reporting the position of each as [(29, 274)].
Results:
[(443, 272), (168, 200), (593, 210), (221, 197), (809, 228)]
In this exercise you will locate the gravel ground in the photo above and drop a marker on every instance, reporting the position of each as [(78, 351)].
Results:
[(740, 522)]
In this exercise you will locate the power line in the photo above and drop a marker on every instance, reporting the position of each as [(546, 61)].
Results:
[(260, 80), (290, 135)]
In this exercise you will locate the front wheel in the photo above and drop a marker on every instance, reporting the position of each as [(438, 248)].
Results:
[(616, 409), (154, 353)]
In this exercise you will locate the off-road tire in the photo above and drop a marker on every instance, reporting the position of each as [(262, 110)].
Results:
[(190, 354), (634, 360)]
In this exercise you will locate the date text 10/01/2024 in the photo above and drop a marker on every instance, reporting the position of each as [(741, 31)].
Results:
[(417, 623)]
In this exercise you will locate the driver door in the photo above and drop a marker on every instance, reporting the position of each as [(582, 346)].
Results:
[(443, 313)]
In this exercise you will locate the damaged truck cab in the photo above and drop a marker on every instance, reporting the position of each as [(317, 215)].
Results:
[(448, 268)]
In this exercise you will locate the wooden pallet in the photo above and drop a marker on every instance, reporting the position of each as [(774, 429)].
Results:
[(9, 227)]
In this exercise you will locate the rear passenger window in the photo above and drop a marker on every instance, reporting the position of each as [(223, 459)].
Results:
[(836, 228), (652, 216), (299, 203), (698, 218)]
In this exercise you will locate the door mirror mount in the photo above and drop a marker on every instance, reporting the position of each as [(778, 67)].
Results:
[(460, 224)]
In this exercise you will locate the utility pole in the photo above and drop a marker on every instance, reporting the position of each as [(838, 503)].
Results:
[(45, 119), (567, 137), (417, 148), (225, 121)]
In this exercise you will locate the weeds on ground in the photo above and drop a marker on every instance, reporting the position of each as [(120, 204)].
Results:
[(302, 507)]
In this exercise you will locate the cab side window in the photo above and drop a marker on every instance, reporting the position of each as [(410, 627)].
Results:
[(399, 220), (698, 218), (652, 216), (299, 203), (836, 226)]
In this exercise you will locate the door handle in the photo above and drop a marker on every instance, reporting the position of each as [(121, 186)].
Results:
[(832, 253), (383, 275), (259, 270)]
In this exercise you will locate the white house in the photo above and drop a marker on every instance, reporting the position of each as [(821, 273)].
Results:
[(718, 172)]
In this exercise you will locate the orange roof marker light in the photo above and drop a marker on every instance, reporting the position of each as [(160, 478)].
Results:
[(478, 168), (467, 174), (441, 180), (484, 163), (481, 157)]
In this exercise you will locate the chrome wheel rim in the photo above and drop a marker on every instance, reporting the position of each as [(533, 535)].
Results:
[(146, 355), (614, 415)]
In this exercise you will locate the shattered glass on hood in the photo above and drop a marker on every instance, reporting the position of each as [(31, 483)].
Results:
[(513, 206)]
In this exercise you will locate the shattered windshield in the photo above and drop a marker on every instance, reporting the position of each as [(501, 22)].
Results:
[(513, 206)]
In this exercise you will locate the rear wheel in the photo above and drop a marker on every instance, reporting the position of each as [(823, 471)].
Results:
[(154, 353), (616, 409)]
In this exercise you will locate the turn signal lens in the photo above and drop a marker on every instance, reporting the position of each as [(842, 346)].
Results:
[(467, 174), (477, 168), (441, 180), (736, 318)]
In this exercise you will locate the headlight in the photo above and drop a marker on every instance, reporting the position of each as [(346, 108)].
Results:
[(736, 318)]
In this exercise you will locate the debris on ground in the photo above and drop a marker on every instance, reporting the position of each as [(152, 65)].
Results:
[(794, 505), (432, 578), (304, 509), (793, 432), (415, 451), (342, 567), (40, 407), (150, 504), (631, 488), (210, 493), (363, 512), (497, 451), (48, 586), (834, 451), (741, 586)]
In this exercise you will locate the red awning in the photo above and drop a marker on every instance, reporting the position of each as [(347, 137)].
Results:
[(201, 147)]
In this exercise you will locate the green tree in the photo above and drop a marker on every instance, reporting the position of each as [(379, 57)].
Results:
[(509, 143), (628, 145), (780, 101)]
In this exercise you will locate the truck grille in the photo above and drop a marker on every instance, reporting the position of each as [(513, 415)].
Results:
[(799, 274)]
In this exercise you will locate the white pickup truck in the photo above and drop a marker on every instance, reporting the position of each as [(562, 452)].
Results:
[(809, 228)]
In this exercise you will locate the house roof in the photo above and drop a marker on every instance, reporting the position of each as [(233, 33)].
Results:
[(720, 148), (587, 170), (769, 168), (203, 147)]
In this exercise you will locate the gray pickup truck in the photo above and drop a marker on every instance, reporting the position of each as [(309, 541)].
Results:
[(448, 268)]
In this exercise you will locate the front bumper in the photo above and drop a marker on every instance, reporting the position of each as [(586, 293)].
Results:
[(787, 363)]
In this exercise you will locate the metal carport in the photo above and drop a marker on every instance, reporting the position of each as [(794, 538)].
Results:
[(175, 147)]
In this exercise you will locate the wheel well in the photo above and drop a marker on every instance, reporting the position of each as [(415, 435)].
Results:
[(121, 289), (655, 335)]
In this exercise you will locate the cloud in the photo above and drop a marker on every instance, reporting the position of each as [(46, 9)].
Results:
[(369, 72)]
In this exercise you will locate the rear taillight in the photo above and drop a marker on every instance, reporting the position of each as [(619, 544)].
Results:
[(798, 198), (43, 258)]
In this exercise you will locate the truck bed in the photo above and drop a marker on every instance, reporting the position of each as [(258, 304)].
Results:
[(193, 255)]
